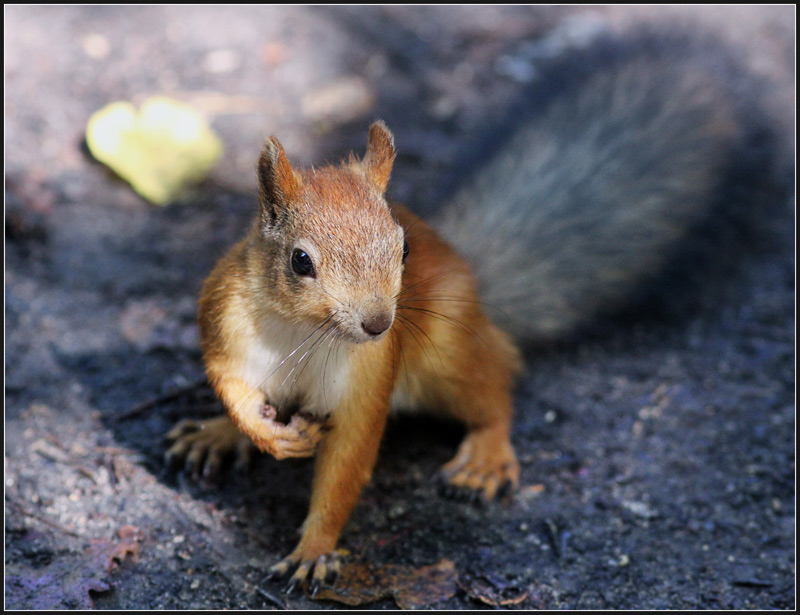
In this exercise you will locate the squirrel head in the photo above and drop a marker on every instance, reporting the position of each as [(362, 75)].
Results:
[(329, 247)]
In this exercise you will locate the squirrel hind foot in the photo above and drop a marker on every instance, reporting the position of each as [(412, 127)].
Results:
[(484, 469)]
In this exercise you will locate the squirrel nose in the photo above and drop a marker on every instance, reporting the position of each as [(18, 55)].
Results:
[(377, 323)]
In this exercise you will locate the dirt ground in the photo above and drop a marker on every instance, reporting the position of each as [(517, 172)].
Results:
[(657, 459)]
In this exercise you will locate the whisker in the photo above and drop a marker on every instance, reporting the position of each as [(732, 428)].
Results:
[(413, 329), (442, 317), (410, 226), (428, 295), (407, 288), (331, 347), (447, 298), (402, 358), (426, 336), (308, 353), (325, 322), (263, 381), (335, 299)]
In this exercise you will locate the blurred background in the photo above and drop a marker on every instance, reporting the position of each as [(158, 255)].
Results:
[(102, 351)]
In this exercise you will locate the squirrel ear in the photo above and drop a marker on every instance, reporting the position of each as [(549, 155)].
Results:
[(378, 160), (278, 183)]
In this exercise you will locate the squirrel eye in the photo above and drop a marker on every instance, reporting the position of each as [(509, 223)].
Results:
[(405, 251), (301, 264)]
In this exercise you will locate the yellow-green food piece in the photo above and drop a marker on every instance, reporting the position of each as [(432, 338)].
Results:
[(159, 149)]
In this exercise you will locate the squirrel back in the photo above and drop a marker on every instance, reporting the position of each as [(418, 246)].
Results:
[(633, 149)]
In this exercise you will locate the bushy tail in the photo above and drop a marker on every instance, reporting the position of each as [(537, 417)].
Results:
[(628, 147)]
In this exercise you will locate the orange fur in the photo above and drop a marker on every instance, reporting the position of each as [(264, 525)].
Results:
[(348, 453)]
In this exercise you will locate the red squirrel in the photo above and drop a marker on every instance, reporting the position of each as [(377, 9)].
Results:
[(344, 305)]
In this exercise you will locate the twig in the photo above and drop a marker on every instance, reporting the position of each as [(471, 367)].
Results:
[(273, 600), (55, 452), (143, 407), (40, 518)]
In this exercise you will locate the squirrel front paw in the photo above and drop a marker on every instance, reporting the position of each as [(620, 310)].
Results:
[(298, 438)]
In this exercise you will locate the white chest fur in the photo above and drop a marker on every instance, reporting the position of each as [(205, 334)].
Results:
[(295, 366)]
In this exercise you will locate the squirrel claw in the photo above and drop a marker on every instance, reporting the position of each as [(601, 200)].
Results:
[(483, 470), (292, 585), (325, 572), (475, 494), (326, 569), (201, 448), (272, 575), (182, 428), (449, 491), (505, 490), (281, 569)]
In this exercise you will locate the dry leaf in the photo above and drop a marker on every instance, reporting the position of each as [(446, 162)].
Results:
[(492, 589), (158, 149), (411, 588), (69, 584), (110, 554), (426, 586)]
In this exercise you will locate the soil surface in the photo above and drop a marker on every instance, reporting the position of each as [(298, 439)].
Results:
[(657, 458)]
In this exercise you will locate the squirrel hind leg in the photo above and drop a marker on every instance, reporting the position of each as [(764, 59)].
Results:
[(203, 447)]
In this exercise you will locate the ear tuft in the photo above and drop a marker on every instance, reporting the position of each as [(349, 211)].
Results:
[(278, 183), (378, 160)]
